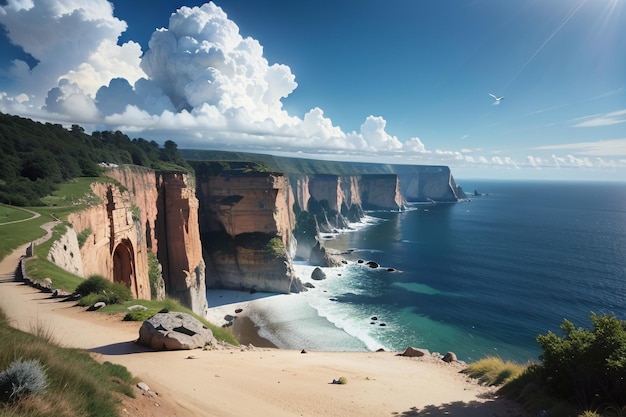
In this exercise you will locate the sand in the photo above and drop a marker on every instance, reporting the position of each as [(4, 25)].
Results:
[(253, 381)]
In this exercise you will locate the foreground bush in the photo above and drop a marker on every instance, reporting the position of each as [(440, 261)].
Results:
[(76, 385), (20, 379), (587, 367), (583, 372)]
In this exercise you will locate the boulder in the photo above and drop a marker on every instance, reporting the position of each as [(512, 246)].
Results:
[(174, 331), (318, 274), (412, 352), (372, 264), (322, 257), (450, 357)]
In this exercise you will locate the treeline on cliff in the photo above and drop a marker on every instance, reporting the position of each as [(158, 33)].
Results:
[(36, 157)]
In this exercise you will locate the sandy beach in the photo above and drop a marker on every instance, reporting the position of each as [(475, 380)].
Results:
[(253, 380)]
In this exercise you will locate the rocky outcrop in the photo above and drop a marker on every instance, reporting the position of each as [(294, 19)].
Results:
[(247, 222), (180, 248), (65, 253), (174, 331), (144, 212)]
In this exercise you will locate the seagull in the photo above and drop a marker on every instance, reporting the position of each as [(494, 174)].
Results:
[(497, 99)]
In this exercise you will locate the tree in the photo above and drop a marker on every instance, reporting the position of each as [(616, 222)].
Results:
[(587, 367)]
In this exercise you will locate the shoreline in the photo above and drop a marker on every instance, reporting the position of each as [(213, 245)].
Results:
[(236, 381)]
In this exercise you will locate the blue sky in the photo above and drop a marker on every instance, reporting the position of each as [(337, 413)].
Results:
[(402, 81)]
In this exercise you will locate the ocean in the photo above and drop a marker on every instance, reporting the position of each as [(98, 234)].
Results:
[(480, 277)]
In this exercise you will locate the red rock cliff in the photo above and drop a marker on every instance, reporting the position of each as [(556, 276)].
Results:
[(247, 223), (147, 212)]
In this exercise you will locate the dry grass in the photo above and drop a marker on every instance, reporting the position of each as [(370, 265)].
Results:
[(493, 371)]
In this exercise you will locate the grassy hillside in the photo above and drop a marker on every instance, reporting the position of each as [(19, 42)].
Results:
[(289, 165)]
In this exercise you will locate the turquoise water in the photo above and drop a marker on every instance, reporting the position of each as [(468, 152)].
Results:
[(483, 277)]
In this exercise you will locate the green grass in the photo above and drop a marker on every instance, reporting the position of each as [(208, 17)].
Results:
[(12, 214), (69, 198), (493, 371), (16, 234), (77, 384), (75, 193)]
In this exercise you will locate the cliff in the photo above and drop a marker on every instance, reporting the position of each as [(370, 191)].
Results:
[(247, 222), (145, 212), (115, 247), (428, 183)]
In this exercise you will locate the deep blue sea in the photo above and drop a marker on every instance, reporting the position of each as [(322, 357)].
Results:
[(482, 277)]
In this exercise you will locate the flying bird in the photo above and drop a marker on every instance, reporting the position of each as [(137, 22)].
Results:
[(497, 99)]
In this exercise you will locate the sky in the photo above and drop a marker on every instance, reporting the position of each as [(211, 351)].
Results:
[(401, 81)]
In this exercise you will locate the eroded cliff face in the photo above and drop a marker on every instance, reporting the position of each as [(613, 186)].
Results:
[(178, 234), (143, 212), (114, 248), (429, 183), (247, 222), (337, 200), (381, 192)]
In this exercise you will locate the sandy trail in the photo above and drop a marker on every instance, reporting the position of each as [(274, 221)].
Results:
[(257, 381)]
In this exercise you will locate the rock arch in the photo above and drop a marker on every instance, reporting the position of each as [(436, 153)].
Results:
[(124, 265)]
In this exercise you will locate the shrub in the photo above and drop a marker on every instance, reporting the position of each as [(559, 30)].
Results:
[(274, 248), (587, 365), (494, 371), (95, 284), (117, 293), (342, 380), (139, 315), (20, 379), (97, 288)]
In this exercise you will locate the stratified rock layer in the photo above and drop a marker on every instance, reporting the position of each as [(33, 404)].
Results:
[(145, 211)]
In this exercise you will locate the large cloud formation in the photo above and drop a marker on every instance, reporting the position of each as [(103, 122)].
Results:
[(200, 83), (199, 78)]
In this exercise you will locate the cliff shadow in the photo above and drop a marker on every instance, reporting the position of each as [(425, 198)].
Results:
[(121, 348), (497, 407)]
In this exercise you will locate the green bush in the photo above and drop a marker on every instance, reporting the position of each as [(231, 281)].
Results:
[(95, 284), (22, 378), (97, 288), (117, 293), (587, 367), (139, 315)]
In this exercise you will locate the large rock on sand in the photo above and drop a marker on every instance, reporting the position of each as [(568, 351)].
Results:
[(412, 352), (174, 331)]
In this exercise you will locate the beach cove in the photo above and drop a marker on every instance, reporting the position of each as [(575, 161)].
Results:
[(245, 381)]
